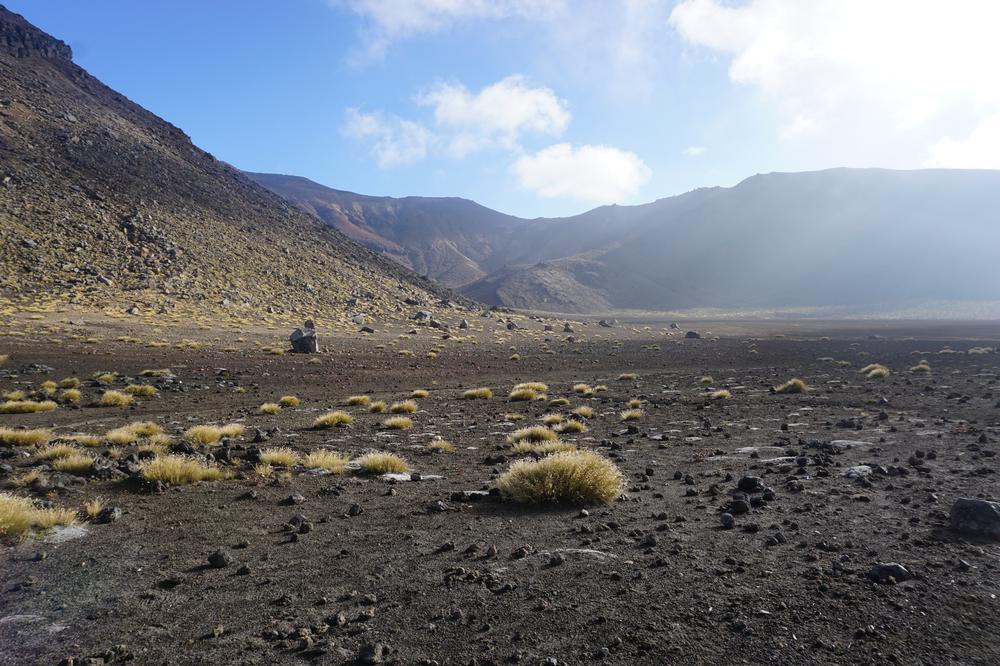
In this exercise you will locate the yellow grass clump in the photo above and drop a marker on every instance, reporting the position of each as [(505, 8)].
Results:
[(104, 377), (794, 385), (532, 434), (721, 394), (582, 389), (558, 402), (54, 451), (20, 515), (482, 393), (14, 395), (627, 376), (441, 446), (875, 371), (537, 387), (571, 426), (280, 455), (71, 395), (26, 406), (333, 419), (404, 407), (116, 399), (12, 437), (156, 372), (211, 434), (358, 400), (420, 393), (232, 430), (398, 423), (922, 366), (75, 463), (576, 477), (93, 507), (289, 401), (543, 448), (4, 358), (584, 411), (142, 390), (631, 415), (269, 408), (377, 407), (380, 462), (706, 380), (85, 440), (331, 461), (178, 470), (553, 419), (635, 403)]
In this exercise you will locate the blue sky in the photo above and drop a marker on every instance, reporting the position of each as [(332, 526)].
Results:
[(550, 107)]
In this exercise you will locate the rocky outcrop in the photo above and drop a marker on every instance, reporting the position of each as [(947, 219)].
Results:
[(23, 40)]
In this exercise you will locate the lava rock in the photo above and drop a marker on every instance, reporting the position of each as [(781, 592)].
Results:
[(888, 572), (975, 516)]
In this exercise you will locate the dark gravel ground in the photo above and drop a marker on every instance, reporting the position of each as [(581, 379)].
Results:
[(652, 579)]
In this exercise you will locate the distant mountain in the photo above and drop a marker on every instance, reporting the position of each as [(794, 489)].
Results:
[(103, 203), (840, 237)]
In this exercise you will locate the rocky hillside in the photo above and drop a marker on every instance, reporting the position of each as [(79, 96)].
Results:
[(104, 204), (843, 237)]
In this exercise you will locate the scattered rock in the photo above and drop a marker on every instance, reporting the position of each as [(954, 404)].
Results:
[(976, 516)]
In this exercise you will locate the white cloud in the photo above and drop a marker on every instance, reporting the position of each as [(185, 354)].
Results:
[(600, 174), (496, 115), (859, 80), (695, 151), (980, 150), (397, 141), (388, 21)]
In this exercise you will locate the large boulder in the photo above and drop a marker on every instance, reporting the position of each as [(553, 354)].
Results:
[(304, 340), (976, 516), (421, 315)]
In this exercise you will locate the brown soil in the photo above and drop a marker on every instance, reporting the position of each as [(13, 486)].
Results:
[(651, 579)]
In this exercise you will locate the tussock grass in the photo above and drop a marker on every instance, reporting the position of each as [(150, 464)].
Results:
[(793, 385), (584, 411), (279, 455), (582, 389), (331, 461), (36, 437), (212, 434), (269, 408), (558, 402), (262, 470), (179, 470), (289, 401), (404, 407), (129, 434), (721, 394), (538, 387), (141, 390), (21, 515), (333, 420), (377, 407), (26, 406), (599, 388), (922, 366), (14, 395), (85, 440), (631, 415), (115, 399), (706, 380), (441, 446), (380, 462), (156, 372), (571, 426), (4, 358), (420, 393), (576, 477), (54, 451), (75, 463), (543, 448), (27, 478), (482, 393), (398, 423), (553, 419), (875, 371), (533, 435), (513, 416), (635, 403), (93, 507), (71, 395), (48, 387), (358, 400), (105, 377), (627, 376)]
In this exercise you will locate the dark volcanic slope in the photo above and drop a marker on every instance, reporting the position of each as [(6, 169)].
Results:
[(102, 202), (855, 237)]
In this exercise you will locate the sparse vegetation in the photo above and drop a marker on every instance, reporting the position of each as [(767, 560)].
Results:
[(115, 399), (582, 389), (571, 427), (212, 434), (331, 461), (875, 371), (441, 446), (75, 463), (721, 394), (794, 385), (577, 477), (26, 406), (71, 395), (380, 462), (922, 366), (398, 423), (377, 407), (141, 390), (54, 451), (420, 393), (404, 407), (482, 393), (627, 376), (584, 411), (21, 515), (358, 400), (631, 415), (333, 420), (269, 408), (280, 455), (178, 470), (12, 437), (533, 435), (289, 401)]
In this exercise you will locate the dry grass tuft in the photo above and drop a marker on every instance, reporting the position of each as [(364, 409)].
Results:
[(379, 462), (537, 387), (93, 507), (513, 416), (331, 461), (116, 399), (279, 455), (20, 515), (211, 434), (26, 406), (75, 463), (441, 446), (571, 426), (70, 396), (289, 401), (404, 407), (582, 389), (794, 385), (142, 390), (12, 437), (631, 415), (721, 394), (875, 371), (178, 470), (156, 372), (333, 419), (584, 411), (269, 408), (533, 435), (232, 430), (635, 403), (922, 366), (377, 407), (54, 451), (627, 376), (398, 423), (524, 394), (558, 402), (482, 393), (358, 400), (420, 393), (553, 419), (577, 477), (70, 383), (706, 380)]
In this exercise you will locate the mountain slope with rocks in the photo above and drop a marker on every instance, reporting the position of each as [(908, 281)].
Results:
[(103, 204)]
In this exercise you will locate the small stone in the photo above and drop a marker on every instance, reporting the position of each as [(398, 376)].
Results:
[(889, 572), (371, 653), (727, 520), (750, 484), (221, 559)]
